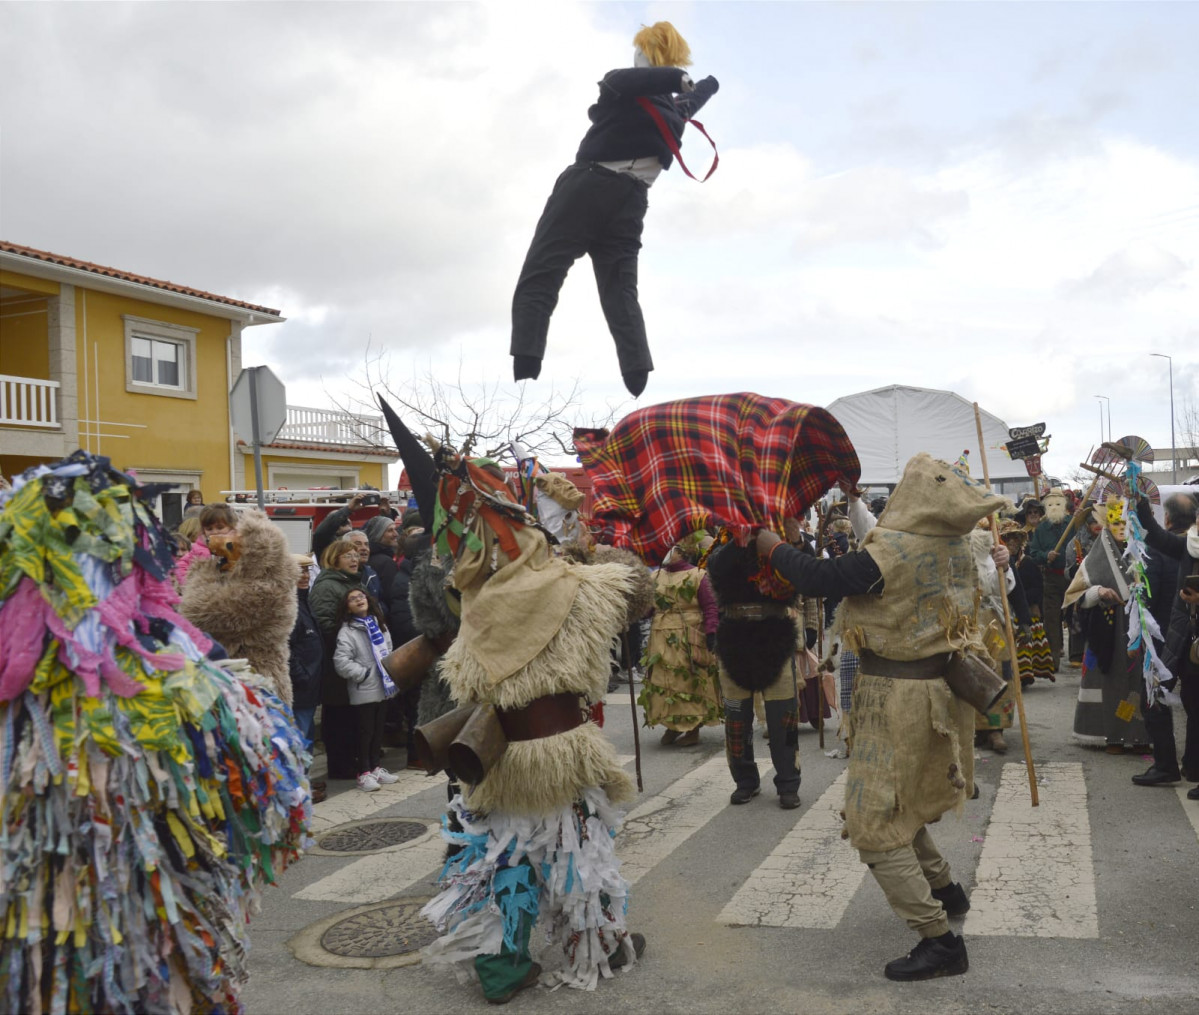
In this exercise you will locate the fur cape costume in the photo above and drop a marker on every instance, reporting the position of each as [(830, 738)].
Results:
[(537, 831), (250, 607)]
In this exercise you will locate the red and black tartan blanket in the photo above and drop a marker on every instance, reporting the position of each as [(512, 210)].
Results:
[(741, 461)]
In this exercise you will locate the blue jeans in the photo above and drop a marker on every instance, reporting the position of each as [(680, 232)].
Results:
[(306, 722)]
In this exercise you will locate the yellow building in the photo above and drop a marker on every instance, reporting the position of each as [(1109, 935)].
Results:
[(140, 370)]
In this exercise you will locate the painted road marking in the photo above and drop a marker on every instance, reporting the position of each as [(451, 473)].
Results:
[(378, 877), (1189, 806), (382, 875), (659, 825), (809, 878), (1055, 840), (354, 805)]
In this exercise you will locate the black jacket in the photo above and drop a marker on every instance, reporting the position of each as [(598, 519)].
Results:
[(326, 532), (383, 561), (621, 129), (1183, 620), (399, 615), (307, 655)]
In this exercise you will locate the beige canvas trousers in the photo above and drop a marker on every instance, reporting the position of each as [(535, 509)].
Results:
[(907, 875)]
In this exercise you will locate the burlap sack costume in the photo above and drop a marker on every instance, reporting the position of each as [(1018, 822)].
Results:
[(912, 758)]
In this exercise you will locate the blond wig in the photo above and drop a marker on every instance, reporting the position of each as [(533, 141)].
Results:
[(663, 46)]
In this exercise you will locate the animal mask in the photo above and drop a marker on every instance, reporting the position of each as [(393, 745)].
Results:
[(1055, 506)]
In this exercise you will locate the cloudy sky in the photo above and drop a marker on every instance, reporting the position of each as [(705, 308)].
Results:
[(997, 199)]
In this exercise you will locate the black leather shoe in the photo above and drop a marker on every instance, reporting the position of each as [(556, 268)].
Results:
[(528, 981), (618, 960), (1193, 793), (932, 957), (1154, 776), (744, 796), (788, 801), (953, 899), (1190, 774)]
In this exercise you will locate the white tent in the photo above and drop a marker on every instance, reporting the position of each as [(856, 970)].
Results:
[(890, 425)]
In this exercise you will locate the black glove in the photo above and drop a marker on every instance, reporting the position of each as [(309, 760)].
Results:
[(1144, 512), (810, 636), (710, 640)]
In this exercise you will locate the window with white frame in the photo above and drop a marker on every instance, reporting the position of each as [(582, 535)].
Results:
[(160, 358)]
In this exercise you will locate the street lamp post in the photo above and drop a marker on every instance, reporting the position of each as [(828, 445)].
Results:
[(1173, 447), (1109, 417)]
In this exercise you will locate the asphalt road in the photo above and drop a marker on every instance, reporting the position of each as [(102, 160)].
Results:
[(1085, 904)]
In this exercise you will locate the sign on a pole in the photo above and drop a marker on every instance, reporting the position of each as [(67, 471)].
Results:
[(1036, 430), (1023, 447), (272, 405)]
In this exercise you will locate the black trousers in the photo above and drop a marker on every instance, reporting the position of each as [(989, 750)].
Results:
[(592, 211), (1160, 723), (370, 735), (339, 732)]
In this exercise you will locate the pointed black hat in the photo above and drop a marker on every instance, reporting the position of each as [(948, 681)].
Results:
[(422, 472)]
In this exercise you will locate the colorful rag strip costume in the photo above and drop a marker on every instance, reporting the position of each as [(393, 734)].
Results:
[(738, 461), (146, 790)]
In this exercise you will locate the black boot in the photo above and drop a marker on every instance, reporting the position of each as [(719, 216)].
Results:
[(635, 381), (932, 957), (618, 960), (525, 368), (952, 899)]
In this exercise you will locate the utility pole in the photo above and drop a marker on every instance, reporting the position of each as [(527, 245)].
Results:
[(1173, 444)]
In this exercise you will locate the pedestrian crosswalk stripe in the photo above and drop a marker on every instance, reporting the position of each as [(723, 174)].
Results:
[(380, 876), (1189, 806), (666, 820), (383, 875), (1036, 875), (809, 878), (354, 805)]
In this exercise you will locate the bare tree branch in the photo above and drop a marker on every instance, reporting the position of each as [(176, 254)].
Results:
[(481, 417)]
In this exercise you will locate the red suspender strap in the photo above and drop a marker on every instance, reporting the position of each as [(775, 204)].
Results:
[(668, 137)]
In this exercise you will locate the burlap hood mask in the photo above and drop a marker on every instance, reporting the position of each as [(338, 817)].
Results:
[(935, 498)]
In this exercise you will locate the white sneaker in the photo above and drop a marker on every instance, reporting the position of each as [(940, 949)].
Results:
[(367, 782), (384, 777)]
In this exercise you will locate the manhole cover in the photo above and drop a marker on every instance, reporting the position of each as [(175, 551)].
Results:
[(393, 929), (382, 935), (371, 836)]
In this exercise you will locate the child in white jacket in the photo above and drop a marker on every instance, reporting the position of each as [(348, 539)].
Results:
[(362, 643)]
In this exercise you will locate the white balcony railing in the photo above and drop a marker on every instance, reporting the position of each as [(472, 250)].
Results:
[(28, 401), (330, 426)]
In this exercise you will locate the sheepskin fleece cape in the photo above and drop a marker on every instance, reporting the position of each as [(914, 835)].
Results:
[(539, 777), (251, 608)]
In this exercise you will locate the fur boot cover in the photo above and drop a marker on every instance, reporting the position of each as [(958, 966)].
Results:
[(752, 652), (251, 607), (539, 777)]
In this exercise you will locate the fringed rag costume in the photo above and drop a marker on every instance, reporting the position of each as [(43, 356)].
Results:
[(147, 791), (537, 830)]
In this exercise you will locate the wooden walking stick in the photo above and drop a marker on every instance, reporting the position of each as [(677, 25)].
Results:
[(1007, 622)]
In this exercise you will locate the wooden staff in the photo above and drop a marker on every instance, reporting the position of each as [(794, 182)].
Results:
[(820, 529), (1007, 622), (624, 637)]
